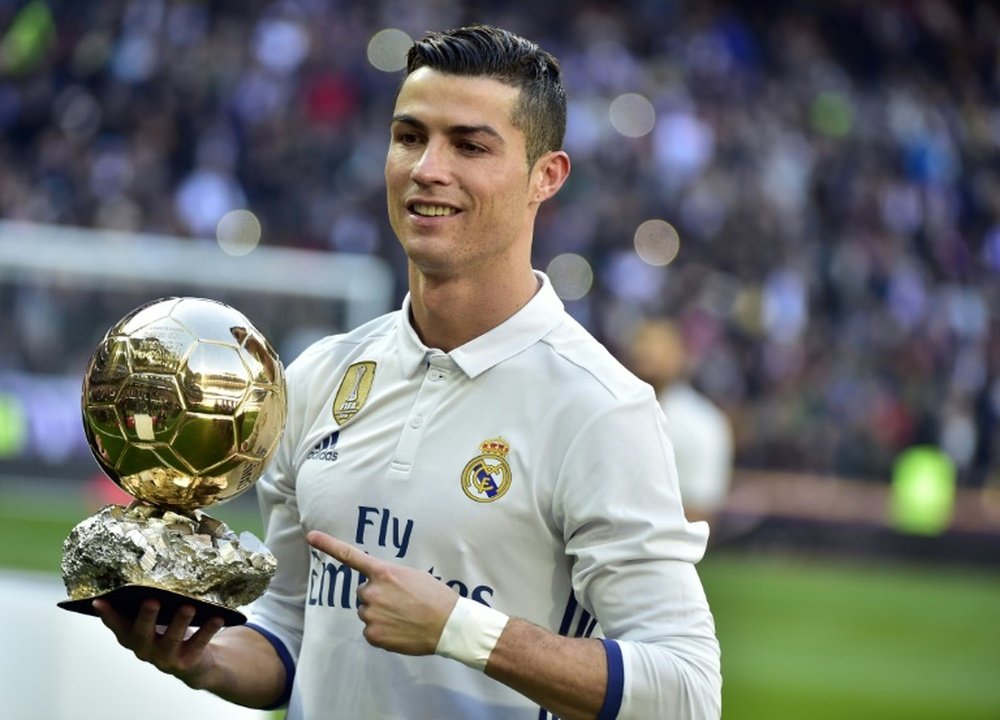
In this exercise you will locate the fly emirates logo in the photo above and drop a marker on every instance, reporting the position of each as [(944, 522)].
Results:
[(334, 585)]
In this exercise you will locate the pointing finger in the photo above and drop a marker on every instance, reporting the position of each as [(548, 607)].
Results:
[(348, 554)]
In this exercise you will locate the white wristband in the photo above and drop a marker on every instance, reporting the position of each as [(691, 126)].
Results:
[(471, 633)]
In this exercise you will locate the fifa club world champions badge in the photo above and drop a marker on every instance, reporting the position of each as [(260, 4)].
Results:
[(183, 407)]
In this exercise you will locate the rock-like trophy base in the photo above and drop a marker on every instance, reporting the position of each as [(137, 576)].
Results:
[(126, 555)]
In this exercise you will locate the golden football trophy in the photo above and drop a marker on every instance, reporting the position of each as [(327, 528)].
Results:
[(183, 406)]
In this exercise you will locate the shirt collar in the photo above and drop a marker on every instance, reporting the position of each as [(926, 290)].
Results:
[(523, 329)]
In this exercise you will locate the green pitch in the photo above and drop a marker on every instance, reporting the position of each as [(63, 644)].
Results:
[(818, 640), (802, 639)]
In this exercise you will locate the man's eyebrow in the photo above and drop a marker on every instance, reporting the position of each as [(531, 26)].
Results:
[(408, 119), (452, 129)]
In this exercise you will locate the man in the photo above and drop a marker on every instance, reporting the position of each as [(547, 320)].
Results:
[(473, 477), (700, 433)]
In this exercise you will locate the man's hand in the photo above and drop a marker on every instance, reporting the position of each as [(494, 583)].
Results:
[(404, 609), (175, 651)]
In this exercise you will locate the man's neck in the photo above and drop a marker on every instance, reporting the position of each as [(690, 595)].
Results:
[(447, 313)]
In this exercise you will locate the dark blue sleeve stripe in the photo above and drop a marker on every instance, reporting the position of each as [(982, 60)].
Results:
[(286, 660), (616, 682), (567, 620)]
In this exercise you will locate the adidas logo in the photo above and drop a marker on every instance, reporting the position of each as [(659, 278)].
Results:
[(325, 449)]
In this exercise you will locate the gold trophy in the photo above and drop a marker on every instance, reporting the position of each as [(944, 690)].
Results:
[(183, 406)]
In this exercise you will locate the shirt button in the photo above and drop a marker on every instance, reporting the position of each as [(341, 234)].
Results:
[(416, 421)]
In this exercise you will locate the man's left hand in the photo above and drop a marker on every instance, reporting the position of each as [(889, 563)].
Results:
[(404, 609)]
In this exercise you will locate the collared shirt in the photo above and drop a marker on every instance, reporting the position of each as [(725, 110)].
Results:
[(528, 470), (703, 447)]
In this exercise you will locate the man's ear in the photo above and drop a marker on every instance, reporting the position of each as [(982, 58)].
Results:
[(549, 174)]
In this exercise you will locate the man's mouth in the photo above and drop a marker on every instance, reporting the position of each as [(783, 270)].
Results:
[(428, 210)]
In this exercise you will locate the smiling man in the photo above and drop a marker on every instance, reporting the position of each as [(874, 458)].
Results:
[(494, 490)]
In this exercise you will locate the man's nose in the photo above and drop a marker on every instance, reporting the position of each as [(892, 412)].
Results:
[(433, 166)]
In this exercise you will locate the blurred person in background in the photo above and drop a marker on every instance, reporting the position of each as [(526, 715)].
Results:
[(700, 432), (568, 514)]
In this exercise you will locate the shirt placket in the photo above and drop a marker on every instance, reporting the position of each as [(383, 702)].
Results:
[(438, 370)]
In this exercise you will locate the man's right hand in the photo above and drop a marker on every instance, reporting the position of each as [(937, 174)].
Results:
[(178, 650)]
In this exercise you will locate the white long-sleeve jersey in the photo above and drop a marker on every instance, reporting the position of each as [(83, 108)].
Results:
[(529, 471)]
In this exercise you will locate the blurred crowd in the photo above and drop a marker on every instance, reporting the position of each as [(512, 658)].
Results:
[(832, 171)]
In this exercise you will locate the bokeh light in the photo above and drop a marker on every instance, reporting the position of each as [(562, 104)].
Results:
[(238, 232), (657, 242), (281, 45), (387, 49), (632, 115), (13, 426), (571, 276), (923, 490), (832, 114)]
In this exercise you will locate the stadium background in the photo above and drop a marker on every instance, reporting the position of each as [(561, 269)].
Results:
[(813, 192)]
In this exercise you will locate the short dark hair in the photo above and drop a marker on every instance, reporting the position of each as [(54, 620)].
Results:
[(483, 50)]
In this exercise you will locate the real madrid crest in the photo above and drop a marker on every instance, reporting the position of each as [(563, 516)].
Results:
[(353, 391), (487, 477)]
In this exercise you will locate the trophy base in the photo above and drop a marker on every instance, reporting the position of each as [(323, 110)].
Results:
[(127, 599)]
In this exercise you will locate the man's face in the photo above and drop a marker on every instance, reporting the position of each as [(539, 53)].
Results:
[(460, 194), (657, 354)]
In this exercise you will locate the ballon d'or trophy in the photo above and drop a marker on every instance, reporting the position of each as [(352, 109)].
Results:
[(183, 407)]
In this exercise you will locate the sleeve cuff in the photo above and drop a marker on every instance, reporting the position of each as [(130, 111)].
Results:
[(286, 660), (616, 681)]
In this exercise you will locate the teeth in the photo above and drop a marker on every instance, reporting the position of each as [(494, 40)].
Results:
[(433, 210)]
